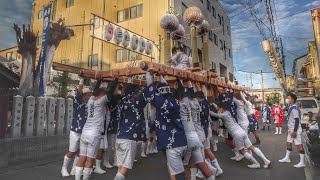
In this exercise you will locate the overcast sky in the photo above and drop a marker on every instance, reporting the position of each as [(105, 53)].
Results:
[(294, 25)]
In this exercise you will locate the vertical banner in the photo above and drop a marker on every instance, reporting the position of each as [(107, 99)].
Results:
[(45, 35)]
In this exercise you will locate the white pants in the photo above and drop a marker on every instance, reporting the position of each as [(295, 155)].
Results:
[(125, 152), (297, 140), (194, 149), (89, 145), (74, 141), (174, 160), (241, 140)]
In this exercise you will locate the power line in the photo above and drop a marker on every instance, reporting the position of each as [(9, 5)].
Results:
[(299, 12), (245, 10), (296, 37), (248, 46)]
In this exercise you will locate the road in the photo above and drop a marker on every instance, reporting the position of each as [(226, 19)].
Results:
[(154, 166)]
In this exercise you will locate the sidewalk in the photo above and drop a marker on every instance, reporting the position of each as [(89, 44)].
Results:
[(153, 168)]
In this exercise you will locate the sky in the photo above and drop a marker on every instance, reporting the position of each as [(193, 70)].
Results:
[(293, 25)]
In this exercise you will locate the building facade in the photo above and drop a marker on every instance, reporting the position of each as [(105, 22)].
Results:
[(142, 17), (263, 94), (306, 73)]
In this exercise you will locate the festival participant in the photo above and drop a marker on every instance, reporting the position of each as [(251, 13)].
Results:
[(253, 123), (132, 114), (150, 112), (227, 98), (179, 59), (194, 154), (256, 114), (91, 133), (103, 145), (112, 131), (266, 116), (240, 137), (204, 119), (277, 115), (171, 138), (294, 131), (78, 121), (215, 126), (242, 117)]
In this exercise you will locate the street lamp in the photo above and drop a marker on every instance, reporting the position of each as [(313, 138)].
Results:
[(193, 17), (203, 30)]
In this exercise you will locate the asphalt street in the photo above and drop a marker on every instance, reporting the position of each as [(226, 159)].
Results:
[(154, 168)]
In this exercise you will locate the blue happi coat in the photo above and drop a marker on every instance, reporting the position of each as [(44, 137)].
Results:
[(131, 117), (169, 128), (79, 113), (115, 116), (227, 98), (204, 116)]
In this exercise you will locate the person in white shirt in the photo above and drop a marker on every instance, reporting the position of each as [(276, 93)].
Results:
[(240, 137), (91, 133), (294, 131)]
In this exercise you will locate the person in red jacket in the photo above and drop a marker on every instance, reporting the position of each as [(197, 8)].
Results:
[(277, 116), (256, 113)]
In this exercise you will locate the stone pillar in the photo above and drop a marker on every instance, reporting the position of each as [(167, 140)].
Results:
[(51, 109), (60, 112), (28, 116), (40, 125), (68, 115), (15, 129)]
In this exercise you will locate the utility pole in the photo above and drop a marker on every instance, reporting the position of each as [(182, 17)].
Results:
[(262, 87)]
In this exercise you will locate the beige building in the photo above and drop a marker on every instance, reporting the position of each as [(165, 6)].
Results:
[(263, 94), (141, 17)]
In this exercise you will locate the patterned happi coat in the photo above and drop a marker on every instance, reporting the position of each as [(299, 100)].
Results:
[(79, 113), (131, 118), (115, 116), (169, 128), (204, 116)]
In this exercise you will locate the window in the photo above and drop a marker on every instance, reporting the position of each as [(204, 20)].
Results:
[(133, 12), (215, 39), (228, 30), (66, 61), (40, 14), (220, 21), (126, 55), (130, 13), (139, 10), (54, 10), (214, 13), (211, 35), (184, 8), (70, 3), (120, 16), (186, 50), (230, 53), (93, 61), (221, 45), (209, 5), (96, 23), (9, 55)]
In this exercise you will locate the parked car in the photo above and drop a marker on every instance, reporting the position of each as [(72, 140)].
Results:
[(307, 106)]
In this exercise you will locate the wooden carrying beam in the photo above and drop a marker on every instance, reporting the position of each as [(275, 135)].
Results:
[(72, 69)]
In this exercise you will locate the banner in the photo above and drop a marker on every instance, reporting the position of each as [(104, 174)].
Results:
[(45, 36)]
